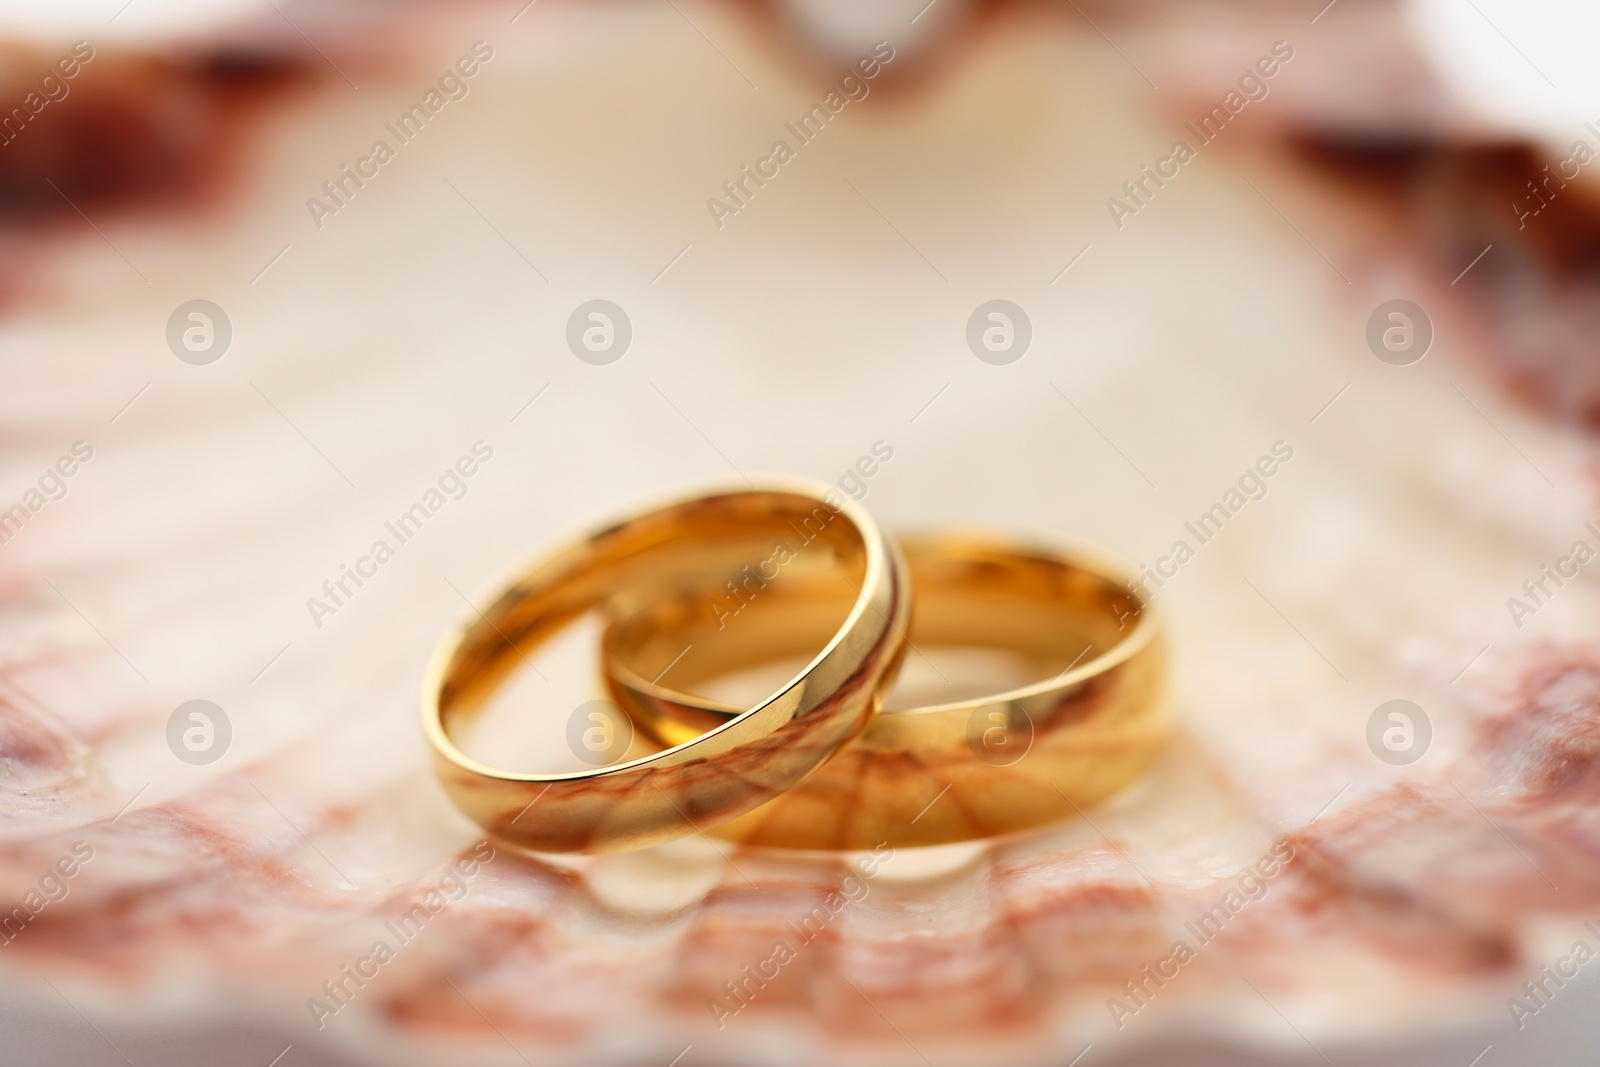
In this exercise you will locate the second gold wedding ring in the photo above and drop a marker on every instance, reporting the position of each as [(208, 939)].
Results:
[(746, 758), (972, 764)]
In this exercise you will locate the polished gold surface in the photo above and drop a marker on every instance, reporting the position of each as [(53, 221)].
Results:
[(661, 555), (952, 771)]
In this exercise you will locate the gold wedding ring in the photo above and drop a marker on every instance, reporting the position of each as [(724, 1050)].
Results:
[(966, 768), (749, 755)]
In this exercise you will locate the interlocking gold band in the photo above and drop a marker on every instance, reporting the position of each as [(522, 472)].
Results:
[(749, 756), (954, 771)]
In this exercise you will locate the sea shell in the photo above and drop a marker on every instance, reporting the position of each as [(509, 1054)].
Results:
[(219, 910)]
